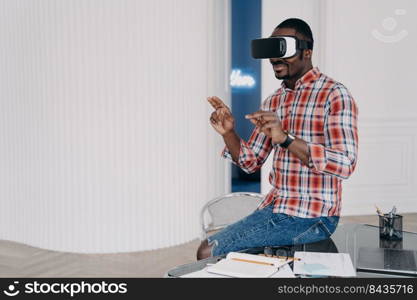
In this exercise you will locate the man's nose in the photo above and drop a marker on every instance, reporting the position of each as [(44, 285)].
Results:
[(275, 60)]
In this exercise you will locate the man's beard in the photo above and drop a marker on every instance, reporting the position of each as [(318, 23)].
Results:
[(287, 76), (283, 77)]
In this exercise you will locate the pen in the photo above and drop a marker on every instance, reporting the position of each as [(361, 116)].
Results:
[(393, 211)]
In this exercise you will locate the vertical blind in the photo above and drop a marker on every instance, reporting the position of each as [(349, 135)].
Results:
[(105, 144)]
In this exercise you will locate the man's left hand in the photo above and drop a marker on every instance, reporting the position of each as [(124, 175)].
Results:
[(269, 124)]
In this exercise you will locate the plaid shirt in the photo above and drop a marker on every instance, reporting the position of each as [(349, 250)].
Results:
[(322, 112)]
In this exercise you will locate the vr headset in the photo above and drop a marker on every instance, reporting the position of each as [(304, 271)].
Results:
[(278, 47)]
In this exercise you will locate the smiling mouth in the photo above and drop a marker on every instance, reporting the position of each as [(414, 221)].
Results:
[(279, 67)]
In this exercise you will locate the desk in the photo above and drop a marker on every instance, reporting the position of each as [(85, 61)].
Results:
[(347, 238)]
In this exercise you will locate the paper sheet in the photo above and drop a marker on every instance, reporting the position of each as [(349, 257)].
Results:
[(327, 264)]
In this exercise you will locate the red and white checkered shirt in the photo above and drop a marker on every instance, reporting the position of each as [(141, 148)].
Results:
[(323, 113)]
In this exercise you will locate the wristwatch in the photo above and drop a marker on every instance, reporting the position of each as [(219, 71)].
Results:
[(290, 138)]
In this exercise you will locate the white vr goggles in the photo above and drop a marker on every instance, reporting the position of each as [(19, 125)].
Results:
[(278, 47)]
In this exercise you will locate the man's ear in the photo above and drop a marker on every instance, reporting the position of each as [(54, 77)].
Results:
[(308, 53)]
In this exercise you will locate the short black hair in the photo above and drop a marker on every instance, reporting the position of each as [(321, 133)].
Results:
[(300, 27)]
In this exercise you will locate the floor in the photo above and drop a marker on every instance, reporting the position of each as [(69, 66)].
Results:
[(18, 260)]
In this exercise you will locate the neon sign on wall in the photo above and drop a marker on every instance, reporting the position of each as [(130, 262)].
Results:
[(239, 80)]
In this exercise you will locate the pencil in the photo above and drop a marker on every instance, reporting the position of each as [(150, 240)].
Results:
[(378, 211), (253, 261)]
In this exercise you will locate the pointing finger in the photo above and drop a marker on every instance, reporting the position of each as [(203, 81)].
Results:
[(212, 102), (265, 115), (215, 102)]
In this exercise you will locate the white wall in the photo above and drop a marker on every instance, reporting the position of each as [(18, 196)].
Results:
[(380, 73), (105, 144)]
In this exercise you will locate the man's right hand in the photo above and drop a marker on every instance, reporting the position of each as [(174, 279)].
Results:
[(221, 119)]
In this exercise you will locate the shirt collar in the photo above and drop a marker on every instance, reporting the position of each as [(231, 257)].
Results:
[(307, 78)]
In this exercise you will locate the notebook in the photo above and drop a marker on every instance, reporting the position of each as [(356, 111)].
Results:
[(384, 260), (247, 265)]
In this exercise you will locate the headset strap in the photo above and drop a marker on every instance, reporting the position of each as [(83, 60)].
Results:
[(302, 44)]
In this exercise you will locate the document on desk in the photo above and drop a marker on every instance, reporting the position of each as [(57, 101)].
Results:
[(246, 265), (283, 272), (325, 264)]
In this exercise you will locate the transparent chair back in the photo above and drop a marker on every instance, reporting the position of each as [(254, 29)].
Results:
[(227, 209)]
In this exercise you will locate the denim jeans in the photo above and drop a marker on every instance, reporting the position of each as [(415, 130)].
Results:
[(265, 228)]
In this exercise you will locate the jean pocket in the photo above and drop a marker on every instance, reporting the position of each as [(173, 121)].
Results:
[(276, 219), (314, 233)]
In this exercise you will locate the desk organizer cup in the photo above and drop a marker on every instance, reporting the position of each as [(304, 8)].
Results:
[(391, 227), (390, 244)]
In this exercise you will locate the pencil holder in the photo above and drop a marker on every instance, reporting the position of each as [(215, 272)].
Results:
[(390, 244), (391, 227)]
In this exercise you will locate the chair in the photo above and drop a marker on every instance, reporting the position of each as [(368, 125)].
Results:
[(224, 210)]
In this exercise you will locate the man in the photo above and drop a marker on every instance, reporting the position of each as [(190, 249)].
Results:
[(311, 125)]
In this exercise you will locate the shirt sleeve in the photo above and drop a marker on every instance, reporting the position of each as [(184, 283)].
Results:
[(255, 151), (338, 155)]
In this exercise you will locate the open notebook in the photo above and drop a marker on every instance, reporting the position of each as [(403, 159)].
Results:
[(246, 265)]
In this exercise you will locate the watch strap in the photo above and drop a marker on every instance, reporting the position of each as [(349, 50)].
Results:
[(287, 141)]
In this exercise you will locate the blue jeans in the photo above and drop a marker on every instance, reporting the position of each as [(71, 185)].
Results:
[(265, 228)]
